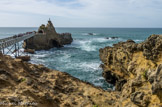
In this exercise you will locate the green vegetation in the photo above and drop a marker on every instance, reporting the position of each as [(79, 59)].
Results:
[(145, 74), (23, 79)]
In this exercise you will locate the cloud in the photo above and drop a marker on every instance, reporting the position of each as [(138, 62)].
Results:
[(94, 13)]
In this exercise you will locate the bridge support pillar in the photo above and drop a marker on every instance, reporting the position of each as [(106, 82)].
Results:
[(15, 51), (3, 50)]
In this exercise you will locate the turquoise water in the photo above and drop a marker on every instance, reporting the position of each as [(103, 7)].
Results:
[(81, 58)]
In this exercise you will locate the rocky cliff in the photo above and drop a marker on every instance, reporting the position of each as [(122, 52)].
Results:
[(136, 71), (25, 84), (47, 38)]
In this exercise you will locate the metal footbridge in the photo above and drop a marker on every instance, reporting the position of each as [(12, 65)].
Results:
[(11, 43)]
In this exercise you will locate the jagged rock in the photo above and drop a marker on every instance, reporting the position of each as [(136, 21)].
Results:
[(135, 71), (112, 37), (14, 99), (130, 41), (150, 75), (140, 99), (90, 33), (51, 89), (47, 38), (116, 60), (152, 47), (65, 38), (155, 77), (29, 81), (119, 85)]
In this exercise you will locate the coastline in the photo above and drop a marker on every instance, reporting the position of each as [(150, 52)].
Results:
[(46, 87), (135, 70), (133, 86)]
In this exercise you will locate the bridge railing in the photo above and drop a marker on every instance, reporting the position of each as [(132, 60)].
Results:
[(6, 42)]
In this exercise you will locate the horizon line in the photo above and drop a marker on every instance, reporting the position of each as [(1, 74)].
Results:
[(85, 27)]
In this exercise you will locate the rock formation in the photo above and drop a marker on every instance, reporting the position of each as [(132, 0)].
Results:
[(47, 38), (31, 51), (25, 84), (136, 71), (112, 37)]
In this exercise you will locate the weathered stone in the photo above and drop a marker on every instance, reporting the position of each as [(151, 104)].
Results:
[(135, 71), (45, 91), (157, 83), (65, 38), (14, 99), (31, 51), (47, 38), (139, 99), (112, 37), (24, 58), (130, 41), (29, 81)]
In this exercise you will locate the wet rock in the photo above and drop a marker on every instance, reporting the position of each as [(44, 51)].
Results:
[(31, 51), (90, 33), (65, 38), (130, 41), (112, 37)]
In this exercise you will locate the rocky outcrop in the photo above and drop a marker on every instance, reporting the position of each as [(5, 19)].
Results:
[(112, 37), (65, 38), (31, 51), (47, 38), (24, 58), (25, 84), (136, 71)]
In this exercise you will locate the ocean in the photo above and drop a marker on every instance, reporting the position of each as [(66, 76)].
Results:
[(81, 58)]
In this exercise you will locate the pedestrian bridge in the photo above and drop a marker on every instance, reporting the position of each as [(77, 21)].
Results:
[(11, 43)]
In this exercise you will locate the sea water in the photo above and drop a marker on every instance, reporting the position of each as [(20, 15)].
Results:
[(81, 58)]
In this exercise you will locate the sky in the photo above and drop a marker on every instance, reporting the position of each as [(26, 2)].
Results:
[(82, 13)]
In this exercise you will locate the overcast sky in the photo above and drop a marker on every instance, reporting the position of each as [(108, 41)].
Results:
[(81, 13)]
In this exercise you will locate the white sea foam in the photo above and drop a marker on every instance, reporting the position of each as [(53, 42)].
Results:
[(100, 40), (94, 33), (84, 45), (85, 34), (138, 40), (40, 55), (38, 61), (83, 66), (65, 58), (89, 66), (87, 44)]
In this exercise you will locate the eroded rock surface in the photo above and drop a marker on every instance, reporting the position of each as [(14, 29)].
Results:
[(47, 38), (36, 85), (136, 71)]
